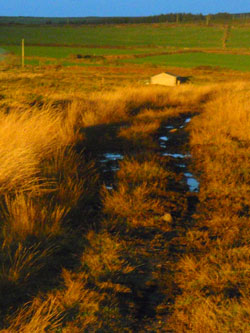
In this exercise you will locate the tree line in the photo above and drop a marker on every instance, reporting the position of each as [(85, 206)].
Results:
[(162, 18)]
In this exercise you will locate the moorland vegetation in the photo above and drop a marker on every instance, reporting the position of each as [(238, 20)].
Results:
[(79, 257), (134, 249)]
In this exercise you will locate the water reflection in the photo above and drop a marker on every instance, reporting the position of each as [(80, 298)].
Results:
[(177, 155), (111, 157), (163, 138), (193, 184)]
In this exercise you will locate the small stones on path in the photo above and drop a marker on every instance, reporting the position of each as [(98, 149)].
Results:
[(173, 130), (167, 218)]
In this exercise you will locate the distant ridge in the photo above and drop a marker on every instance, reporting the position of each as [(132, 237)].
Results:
[(162, 18)]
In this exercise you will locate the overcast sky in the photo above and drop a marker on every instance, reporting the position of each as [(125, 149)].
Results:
[(81, 8)]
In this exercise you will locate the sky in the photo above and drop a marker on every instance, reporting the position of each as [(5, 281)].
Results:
[(81, 8)]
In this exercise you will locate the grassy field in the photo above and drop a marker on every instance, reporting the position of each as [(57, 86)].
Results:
[(65, 52), (115, 36), (81, 46), (230, 61), (239, 38), (37, 55)]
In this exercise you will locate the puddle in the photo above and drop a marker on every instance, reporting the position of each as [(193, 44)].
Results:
[(177, 155), (111, 157), (191, 181), (186, 122), (110, 161), (193, 184), (163, 138), (109, 166)]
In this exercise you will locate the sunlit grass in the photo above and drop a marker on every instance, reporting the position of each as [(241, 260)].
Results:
[(213, 277), (82, 255)]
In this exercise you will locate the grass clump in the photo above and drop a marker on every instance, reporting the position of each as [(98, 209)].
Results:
[(135, 171)]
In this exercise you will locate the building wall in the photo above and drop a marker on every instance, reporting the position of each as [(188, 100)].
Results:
[(163, 79)]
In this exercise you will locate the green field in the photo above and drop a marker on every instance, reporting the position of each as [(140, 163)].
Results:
[(195, 59), (63, 44), (64, 52), (239, 37), (120, 36)]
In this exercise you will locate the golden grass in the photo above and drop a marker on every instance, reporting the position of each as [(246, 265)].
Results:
[(24, 218), (214, 276), (139, 132), (23, 263), (149, 171), (38, 317), (46, 186), (26, 140)]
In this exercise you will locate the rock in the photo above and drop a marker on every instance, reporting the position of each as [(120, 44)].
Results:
[(167, 218)]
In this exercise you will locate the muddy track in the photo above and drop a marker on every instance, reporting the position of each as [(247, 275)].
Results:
[(153, 251)]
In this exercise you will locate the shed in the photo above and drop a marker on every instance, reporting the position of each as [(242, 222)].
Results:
[(166, 79)]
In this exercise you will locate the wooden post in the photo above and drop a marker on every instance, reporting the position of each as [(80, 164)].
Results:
[(177, 18), (22, 53), (208, 17)]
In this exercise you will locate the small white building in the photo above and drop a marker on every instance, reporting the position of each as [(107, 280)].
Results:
[(166, 79)]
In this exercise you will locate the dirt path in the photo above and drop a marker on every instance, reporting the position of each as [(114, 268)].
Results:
[(152, 250)]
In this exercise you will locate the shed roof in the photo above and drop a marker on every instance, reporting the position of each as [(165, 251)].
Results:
[(166, 74)]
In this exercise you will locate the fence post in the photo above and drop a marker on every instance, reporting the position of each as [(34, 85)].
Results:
[(22, 53)]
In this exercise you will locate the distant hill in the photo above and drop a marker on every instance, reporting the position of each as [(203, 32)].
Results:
[(163, 18)]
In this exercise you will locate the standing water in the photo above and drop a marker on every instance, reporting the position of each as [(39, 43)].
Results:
[(180, 159), (109, 161)]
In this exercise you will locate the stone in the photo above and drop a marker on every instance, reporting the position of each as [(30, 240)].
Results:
[(167, 218)]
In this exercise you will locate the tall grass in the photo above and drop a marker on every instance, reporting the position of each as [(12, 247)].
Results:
[(49, 198), (39, 187), (213, 276)]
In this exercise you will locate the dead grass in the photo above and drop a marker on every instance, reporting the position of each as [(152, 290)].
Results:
[(29, 318), (150, 171), (46, 187), (214, 276)]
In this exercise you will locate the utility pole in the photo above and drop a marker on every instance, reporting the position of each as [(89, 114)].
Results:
[(22, 53)]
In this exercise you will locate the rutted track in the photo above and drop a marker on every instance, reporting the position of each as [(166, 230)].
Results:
[(153, 250)]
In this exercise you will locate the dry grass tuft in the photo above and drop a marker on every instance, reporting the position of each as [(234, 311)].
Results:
[(148, 170), (39, 316)]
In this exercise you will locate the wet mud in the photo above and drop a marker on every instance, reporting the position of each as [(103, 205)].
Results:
[(153, 250)]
